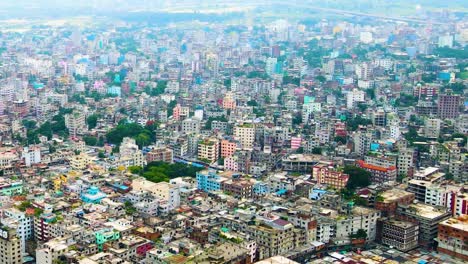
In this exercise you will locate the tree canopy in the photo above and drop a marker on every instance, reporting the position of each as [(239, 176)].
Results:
[(161, 171), (358, 177)]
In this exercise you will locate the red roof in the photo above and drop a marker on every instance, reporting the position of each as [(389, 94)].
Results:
[(365, 165)]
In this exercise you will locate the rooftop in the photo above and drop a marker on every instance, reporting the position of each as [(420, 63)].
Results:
[(460, 223)]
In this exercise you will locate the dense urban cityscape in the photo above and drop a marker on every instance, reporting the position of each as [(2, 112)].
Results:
[(212, 132)]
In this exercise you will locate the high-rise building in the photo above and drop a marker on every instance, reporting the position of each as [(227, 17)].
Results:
[(448, 106), (432, 128), (452, 237), (401, 235), (208, 149), (245, 133), (10, 246)]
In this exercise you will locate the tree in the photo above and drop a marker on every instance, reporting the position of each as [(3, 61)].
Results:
[(142, 140), (90, 140), (92, 121), (358, 177), (320, 78), (101, 155), (252, 103), (161, 171), (360, 234), (170, 107), (340, 139), (449, 176), (297, 119), (135, 169), (317, 151), (29, 124), (353, 123)]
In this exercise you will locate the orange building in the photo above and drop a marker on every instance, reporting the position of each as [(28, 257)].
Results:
[(326, 174), (227, 148), (229, 102), (452, 237), (379, 174)]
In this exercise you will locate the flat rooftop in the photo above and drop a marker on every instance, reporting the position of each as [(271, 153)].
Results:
[(394, 194), (428, 211), (460, 223)]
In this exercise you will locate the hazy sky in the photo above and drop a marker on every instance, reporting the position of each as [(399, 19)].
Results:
[(50, 8)]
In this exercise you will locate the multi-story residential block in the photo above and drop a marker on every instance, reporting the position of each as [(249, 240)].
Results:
[(228, 148), (357, 217), (452, 236), (208, 150), (10, 188), (160, 154), (10, 246), (448, 106), (405, 162), (245, 134), (167, 192), (76, 123), (24, 223), (325, 174), (379, 174), (209, 181), (401, 235), (432, 128), (190, 125), (388, 201), (427, 217)]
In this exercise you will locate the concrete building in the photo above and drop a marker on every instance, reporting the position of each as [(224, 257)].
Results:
[(354, 97), (448, 106), (190, 125), (427, 217), (10, 247), (452, 237), (167, 192), (208, 150), (160, 154), (401, 235), (50, 251), (245, 134), (31, 155), (325, 174), (379, 174), (432, 128), (76, 123)]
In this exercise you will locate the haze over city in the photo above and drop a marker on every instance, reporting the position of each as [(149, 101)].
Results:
[(210, 132)]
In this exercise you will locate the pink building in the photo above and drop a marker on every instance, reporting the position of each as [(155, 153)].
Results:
[(176, 112), (230, 163), (227, 148)]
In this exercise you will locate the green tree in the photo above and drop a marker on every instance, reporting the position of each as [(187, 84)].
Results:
[(29, 124), (143, 139), (170, 107), (92, 121), (340, 139), (135, 169), (358, 177), (101, 155), (317, 151), (90, 140)]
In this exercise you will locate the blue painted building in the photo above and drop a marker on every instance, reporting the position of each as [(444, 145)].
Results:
[(208, 181), (261, 188), (93, 195), (114, 90), (316, 194)]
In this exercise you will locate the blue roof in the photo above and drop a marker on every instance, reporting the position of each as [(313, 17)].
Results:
[(281, 192)]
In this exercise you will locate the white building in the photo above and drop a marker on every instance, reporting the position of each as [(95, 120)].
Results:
[(31, 155), (432, 128), (353, 97), (168, 193)]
